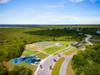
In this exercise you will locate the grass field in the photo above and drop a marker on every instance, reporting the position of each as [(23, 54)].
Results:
[(57, 66), (55, 48), (73, 50), (69, 70), (42, 55), (37, 53), (29, 52)]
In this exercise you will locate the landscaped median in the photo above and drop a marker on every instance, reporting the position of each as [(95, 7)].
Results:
[(69, 70), (57, 66)]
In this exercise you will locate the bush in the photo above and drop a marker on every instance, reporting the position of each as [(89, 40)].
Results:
[(20, 71)]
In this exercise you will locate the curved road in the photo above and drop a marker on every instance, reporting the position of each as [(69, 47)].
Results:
[(49, 61), (46, 63), (65, 64)]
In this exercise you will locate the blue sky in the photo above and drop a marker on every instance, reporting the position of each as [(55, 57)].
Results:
[(49, 11)]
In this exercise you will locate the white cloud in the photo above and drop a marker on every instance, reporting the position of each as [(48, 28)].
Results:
[(76, 1), (55, 6), (49, 18), (89, 20), (79, 1), (4, 1), (65, 19)]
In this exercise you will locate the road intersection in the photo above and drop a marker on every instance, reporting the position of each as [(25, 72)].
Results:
[(48, 62)]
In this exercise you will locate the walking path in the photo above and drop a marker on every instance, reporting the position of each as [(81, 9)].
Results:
[(87, 39)]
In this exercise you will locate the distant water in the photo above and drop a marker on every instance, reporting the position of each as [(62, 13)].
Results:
[(16, 26), (36, 25)]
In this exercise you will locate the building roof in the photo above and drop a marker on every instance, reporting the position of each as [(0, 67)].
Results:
[(98, 31)]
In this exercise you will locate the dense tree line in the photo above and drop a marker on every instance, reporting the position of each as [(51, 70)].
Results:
[(13, 41), (10, 51), (87, 62), (3, 69), (20, 71), (15, 71)]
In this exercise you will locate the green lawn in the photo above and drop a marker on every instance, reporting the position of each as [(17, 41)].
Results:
[(52, 49), (70, 52), (29, 52), (57, 66), (55, 48), (41, 55)]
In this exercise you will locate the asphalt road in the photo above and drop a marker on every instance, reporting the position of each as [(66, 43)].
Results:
[(49, 61)]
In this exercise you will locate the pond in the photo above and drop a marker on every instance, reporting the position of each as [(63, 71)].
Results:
[(29, 59)]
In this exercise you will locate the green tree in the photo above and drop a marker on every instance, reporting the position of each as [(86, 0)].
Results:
[(20, 71), (3, 70)]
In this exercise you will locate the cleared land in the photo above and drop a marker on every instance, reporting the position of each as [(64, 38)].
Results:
[(39, 50)]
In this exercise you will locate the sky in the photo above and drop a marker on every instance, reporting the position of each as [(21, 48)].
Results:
[(49, 11)]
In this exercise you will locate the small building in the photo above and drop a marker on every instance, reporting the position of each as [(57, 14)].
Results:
[(50, 28), (77, 30), (80, 33), (98, 31), (77, 45)]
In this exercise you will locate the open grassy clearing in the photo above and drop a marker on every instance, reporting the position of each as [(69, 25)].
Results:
[(57, 66), (59, 45), (41, 55), (70, 52), (29, 53), (33, 49), (36, 49), (53, 49)]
